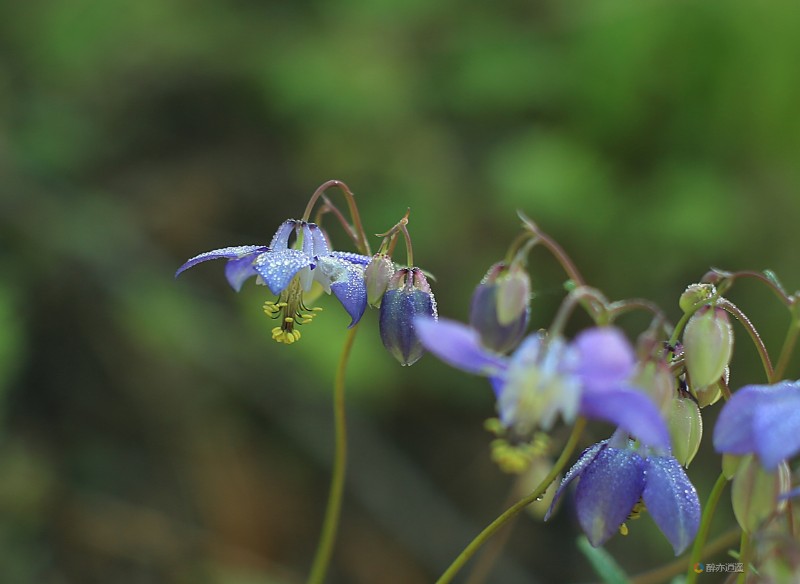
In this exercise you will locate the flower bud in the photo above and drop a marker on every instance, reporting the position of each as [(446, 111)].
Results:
[(376, 275), (709, 394), (408, 295), (655, 378), (707, 346), (501, 306), (685, 429), (730, 464), (695, 294), (755, 493)]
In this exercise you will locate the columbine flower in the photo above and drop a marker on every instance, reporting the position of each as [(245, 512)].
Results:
[(408, 295), (500, 307), (546, 377), (761, 419), (614, 481), (290, 271)]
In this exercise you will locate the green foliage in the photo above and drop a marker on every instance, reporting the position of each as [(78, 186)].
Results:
[(653, 140)]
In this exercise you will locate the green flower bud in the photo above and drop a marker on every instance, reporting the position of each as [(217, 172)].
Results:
[(377, 274), (707, 346), (655, 378), (755, 492), (694, 295), (686, 429), (710, 394), (730, 464)]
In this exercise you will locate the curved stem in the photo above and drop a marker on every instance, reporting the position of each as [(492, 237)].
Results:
[(754, 336), (556, 250), (705, 525), (333, 510), (787, 349), (512, 511), (363, 244)]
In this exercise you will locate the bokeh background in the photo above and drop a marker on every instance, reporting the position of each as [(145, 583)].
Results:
[(152, 432)]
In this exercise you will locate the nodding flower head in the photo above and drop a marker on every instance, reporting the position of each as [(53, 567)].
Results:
[(290, 269), (617, 482), (547, 377), (500, 306), (407, 297)]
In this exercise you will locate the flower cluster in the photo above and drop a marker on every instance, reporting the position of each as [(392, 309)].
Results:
[(653, 392), (300, 256)]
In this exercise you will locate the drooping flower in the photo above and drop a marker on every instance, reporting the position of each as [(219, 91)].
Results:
[(407, 297), (500, 307), (615, 479), (547, 377), (289, 271), (761, 419)]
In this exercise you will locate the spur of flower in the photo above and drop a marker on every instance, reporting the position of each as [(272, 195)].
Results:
[(290, 270), (546, 377), (617, 481)]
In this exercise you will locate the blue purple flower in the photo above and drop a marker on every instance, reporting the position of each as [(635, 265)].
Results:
[(614, 478), (761, 419), (547, 377), (289, 271), (408, 295)]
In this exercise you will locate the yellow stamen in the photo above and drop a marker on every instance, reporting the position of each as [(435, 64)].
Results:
[(623, 529), (289, 306)]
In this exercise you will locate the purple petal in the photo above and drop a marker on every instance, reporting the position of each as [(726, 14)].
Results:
[(632, 411), (280, 240), (351, 290), (609, 488), (319, 244), (577, 469), (459, 346), (776, 425), (353, 258), (277, 268), (237, 252), (238, 270), (308, 239), (671, 500), (606, 358), (733, 432)]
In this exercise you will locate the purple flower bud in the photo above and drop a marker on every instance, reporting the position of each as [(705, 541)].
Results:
[(408, 295), (707, 346), (377, 274), (501, 306)]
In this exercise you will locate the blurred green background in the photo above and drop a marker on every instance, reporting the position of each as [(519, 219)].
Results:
[(152, 431)]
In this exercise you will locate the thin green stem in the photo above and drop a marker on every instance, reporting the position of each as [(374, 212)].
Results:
[(745, 551), (333, 510), (788, 348), (512, 511), (705, 525), (556, 250)]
